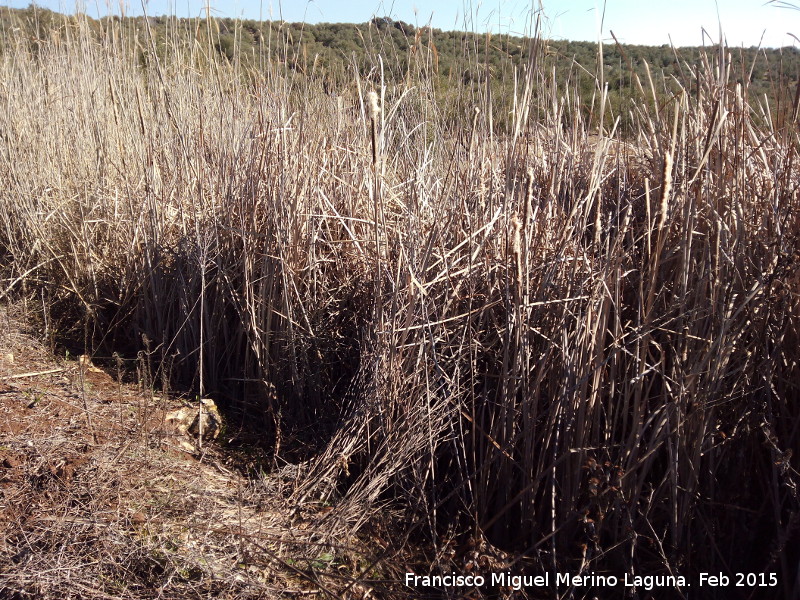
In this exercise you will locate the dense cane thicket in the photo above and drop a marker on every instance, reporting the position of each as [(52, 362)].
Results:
[(539, 340)]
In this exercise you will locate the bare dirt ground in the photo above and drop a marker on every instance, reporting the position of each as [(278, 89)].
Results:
[(98, 499)]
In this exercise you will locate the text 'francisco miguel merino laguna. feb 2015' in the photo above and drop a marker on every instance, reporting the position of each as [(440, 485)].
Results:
[(592, 580)]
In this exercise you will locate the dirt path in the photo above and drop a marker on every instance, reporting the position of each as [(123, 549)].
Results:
[(98, 499)]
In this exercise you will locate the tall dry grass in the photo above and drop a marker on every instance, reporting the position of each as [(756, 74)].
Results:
[(581, 350)]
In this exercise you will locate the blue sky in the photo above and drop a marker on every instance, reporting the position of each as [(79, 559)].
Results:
[(632, 21)]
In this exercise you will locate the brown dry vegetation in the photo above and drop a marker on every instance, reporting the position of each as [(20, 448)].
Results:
[(571, 352), (118, 509)]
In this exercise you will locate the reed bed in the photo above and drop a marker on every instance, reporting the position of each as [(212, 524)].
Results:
[(577, 350)]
